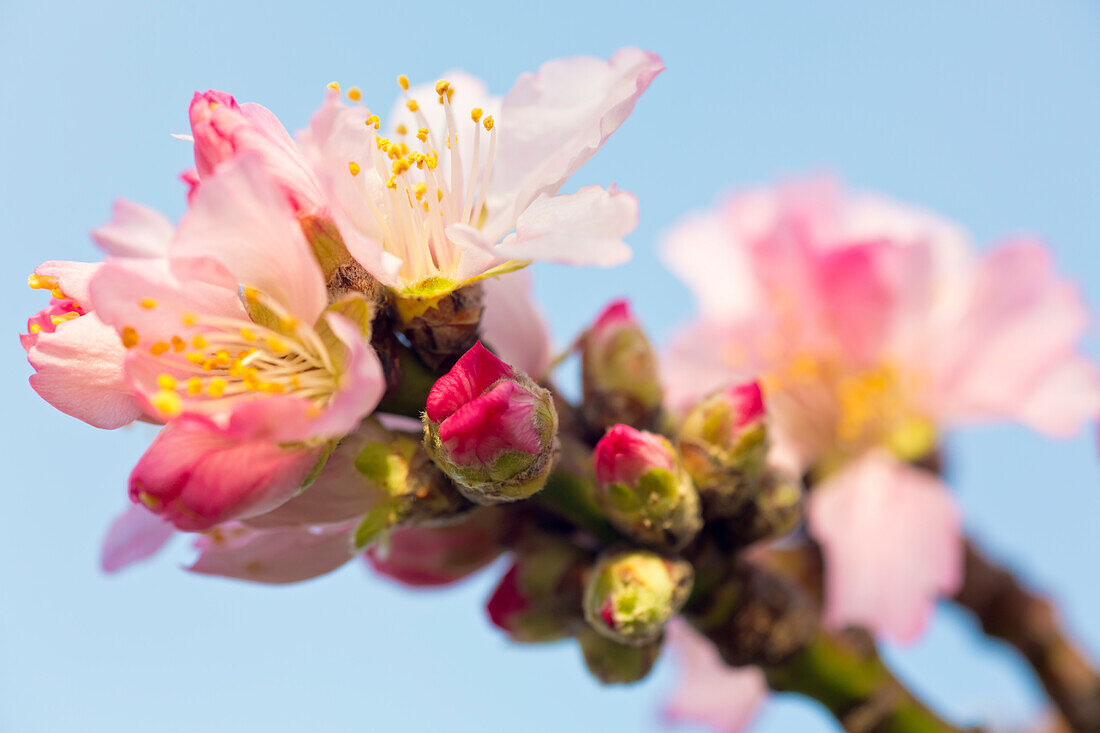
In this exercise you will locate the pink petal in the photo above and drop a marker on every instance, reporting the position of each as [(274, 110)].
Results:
[(240, 219), (431, 556), (79, 370), (554, 120), (890, 534), (514, 326), (624, 454), (284, 555), (341, 492), (197, 475), (73, 278), (135, 535), (502, 419), (584, 228), (723, 698), (1015, 352), (473, 373), (134, 231)]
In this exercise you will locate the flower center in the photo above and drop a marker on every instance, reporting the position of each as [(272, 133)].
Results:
[(844, 411), (216, 359), (423, 191)]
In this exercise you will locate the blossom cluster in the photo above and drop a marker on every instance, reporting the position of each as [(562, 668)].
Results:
[(338, 343)]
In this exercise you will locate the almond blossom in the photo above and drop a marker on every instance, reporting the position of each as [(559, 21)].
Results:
[(874, 328), (231, 341), (464, 184)]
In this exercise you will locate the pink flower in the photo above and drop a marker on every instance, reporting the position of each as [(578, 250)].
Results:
[(709, 692), (224, 130), (624, 455), (78, 360), (470, 186), (254, 388), (873, 327)]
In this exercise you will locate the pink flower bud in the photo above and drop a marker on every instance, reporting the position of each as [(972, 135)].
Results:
[(490, 428), (619, 372), (723, 443), (644, 490), (624, 455)]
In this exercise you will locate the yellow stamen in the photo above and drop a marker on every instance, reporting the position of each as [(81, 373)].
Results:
[(488, 123), (354, 94), (475, 114), (148, 303), (412, 105), (166, 381), (404, 82), (129, 337), (194, 385), (334, 86), (401, 129), (167, 402), (159, 348), (217, 387), (353, 167)]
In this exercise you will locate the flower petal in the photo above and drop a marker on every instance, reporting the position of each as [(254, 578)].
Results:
[(432, 556), (135, 535), (890, 534), (197, 475), (554, 120), (240, 219), (134, 231), (513, 325), (283, 555), (584, 228), (79, 370), (723, 698)]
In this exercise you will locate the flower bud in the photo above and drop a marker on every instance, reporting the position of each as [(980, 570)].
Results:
[(539, 598), (644, 490), (491, 429), (613, 663), (630, 595), (619, 372), (723, 443)]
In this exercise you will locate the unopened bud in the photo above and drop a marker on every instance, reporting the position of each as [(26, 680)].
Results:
[(619, 372), (539, 598), (724, 444), (644, 490), (491, 429), (613, 663), (631, 595)]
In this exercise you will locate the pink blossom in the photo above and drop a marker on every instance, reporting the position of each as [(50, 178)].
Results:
[(224, 130), (425, 217), (709, 692), (873, 327), (217, 367), (482, 413), (624, 455), (275, 556)]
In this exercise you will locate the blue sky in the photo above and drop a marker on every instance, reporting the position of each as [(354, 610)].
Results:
[(986, 112)]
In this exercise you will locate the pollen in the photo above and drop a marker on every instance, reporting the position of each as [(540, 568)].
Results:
[(475, 114), (129, 337), (334, 86), (166, 402), (41, 282), (194, 386), (148, 303), (354, 94), (159, 348), (374, 121), (401, 129), (166, 381), (188, 319), (35, 328), (488, 123), (178, 344), (412, 105), (353, 167), (442, 86), (58, 320), (199, 341), (403, 81), (217, 387)]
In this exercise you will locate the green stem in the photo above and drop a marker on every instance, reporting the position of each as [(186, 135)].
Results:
[(848, 677)]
